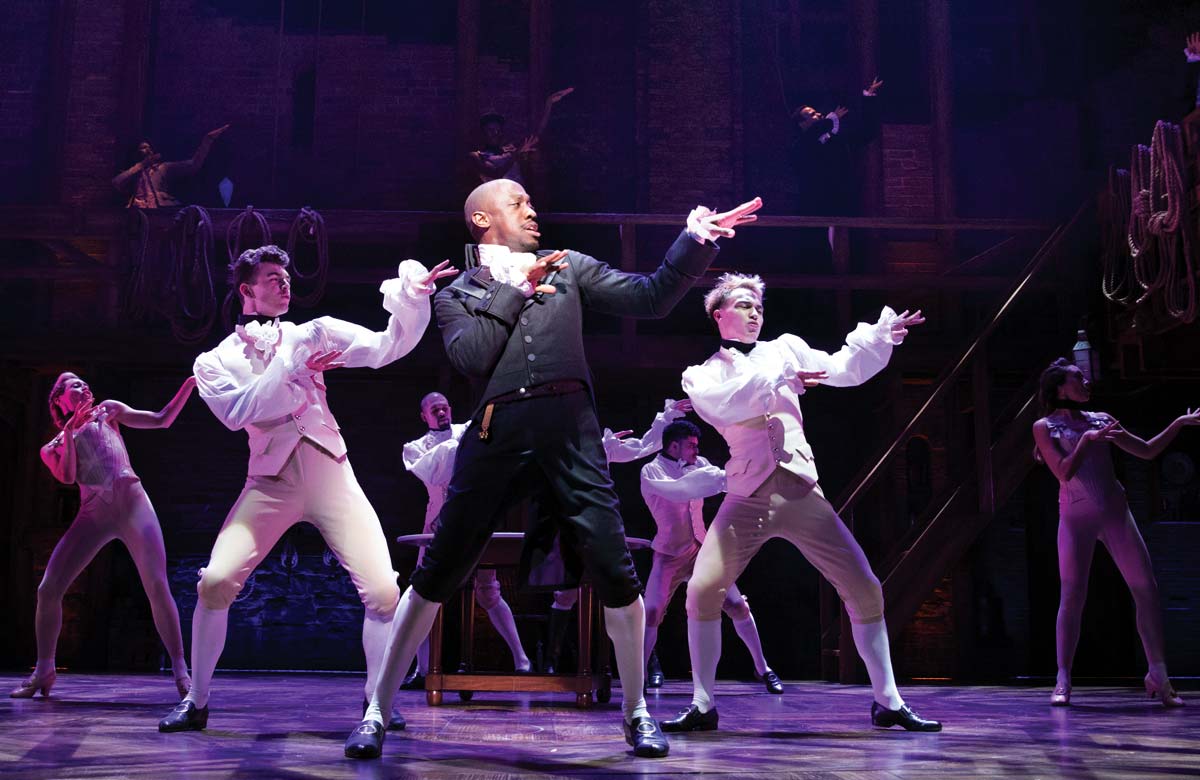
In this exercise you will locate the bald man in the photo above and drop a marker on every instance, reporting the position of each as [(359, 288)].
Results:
[(431, 459), (514, 326)]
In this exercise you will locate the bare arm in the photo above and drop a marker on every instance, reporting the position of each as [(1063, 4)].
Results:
[(163, 418), (550, 101), (59, 454), (1149, 450), (1064, 466), (121, 179)]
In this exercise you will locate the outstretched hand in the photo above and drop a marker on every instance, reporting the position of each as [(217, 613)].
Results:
[(905, 321), (806, 379), (683, 406), (1191, 418), (557, 96), (82, 416), (723, 224), (543, 267), (215, 134), (324, 361), (873, 87), (622, 434), (1192, 50), (440, 271), (1107, 433)]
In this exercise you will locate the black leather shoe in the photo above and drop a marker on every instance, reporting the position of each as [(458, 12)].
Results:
[(692, 719), (366, 741), (654, 680), (772, 681), (395, 723), (646, 738), (185, 717), (905, 716), (414, 682)]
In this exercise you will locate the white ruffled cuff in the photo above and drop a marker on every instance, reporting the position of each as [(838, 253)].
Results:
[(1191, 57), (669, 413), (883, 328), (699, 231), (406, 289)]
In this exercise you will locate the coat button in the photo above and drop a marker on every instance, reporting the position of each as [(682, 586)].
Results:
[(529, 339), (524, 320), (531, 358), (522, 390)]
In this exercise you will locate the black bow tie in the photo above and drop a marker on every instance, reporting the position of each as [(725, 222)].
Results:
[(261, 319), (740, 346)]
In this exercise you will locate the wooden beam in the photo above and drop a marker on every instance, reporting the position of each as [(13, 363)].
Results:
[(58, 222)]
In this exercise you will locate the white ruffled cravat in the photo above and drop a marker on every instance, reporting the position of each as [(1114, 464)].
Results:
[(507, 266), (265, 335)]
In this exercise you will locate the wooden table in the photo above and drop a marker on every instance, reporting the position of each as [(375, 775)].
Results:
[(592, 678)]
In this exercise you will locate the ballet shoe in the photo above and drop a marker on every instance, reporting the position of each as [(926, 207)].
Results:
[(183, 684), (1162, 690), (1061, 697), (35, 684)]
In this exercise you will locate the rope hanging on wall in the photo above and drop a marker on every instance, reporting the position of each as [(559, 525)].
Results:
[(309, 227), (244, 226), (1160, 239), (137, 299), (191, 278), (1118, 283)]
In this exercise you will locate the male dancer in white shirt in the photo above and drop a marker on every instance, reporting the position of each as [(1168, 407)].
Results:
[(749, 391), (674, 486), (267, 378), (431, 459)]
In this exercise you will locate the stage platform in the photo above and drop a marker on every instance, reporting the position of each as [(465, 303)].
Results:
[(293, 725)]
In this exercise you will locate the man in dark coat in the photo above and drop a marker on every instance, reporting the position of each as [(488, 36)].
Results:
[(514, 326)]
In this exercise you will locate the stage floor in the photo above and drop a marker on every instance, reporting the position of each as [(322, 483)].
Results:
[(292, 726)]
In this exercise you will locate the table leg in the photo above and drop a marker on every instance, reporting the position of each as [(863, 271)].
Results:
[(433, 696)]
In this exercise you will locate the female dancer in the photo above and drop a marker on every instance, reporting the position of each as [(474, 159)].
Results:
[(1092, 507), (89, 450)]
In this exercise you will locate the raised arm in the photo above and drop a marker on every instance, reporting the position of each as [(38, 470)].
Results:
[(1149, 450), (406, 298), (866, 351), (702, 482), (654, 295), (163, 418), (124, 177), (623, 449), (59, 453)]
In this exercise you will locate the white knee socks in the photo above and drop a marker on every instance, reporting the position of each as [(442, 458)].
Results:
[(627, 629), (747, 631), (375, 633), (704, 646), (209, 627), (871, 640), (414, 617), (502, 618)]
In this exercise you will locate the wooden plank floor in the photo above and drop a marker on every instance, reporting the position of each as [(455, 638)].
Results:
[(292, 726)]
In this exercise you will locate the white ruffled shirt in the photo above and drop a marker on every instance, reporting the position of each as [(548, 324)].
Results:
[(747, 398), (630, 449), (276, 398), (674, 492)]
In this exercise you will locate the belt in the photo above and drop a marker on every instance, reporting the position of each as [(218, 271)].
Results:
[(560, 387)]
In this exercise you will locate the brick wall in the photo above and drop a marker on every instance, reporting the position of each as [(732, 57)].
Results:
[(688, 129), (24, 40)]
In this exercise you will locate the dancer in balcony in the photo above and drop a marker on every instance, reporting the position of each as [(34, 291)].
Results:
[(1074, 445)]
